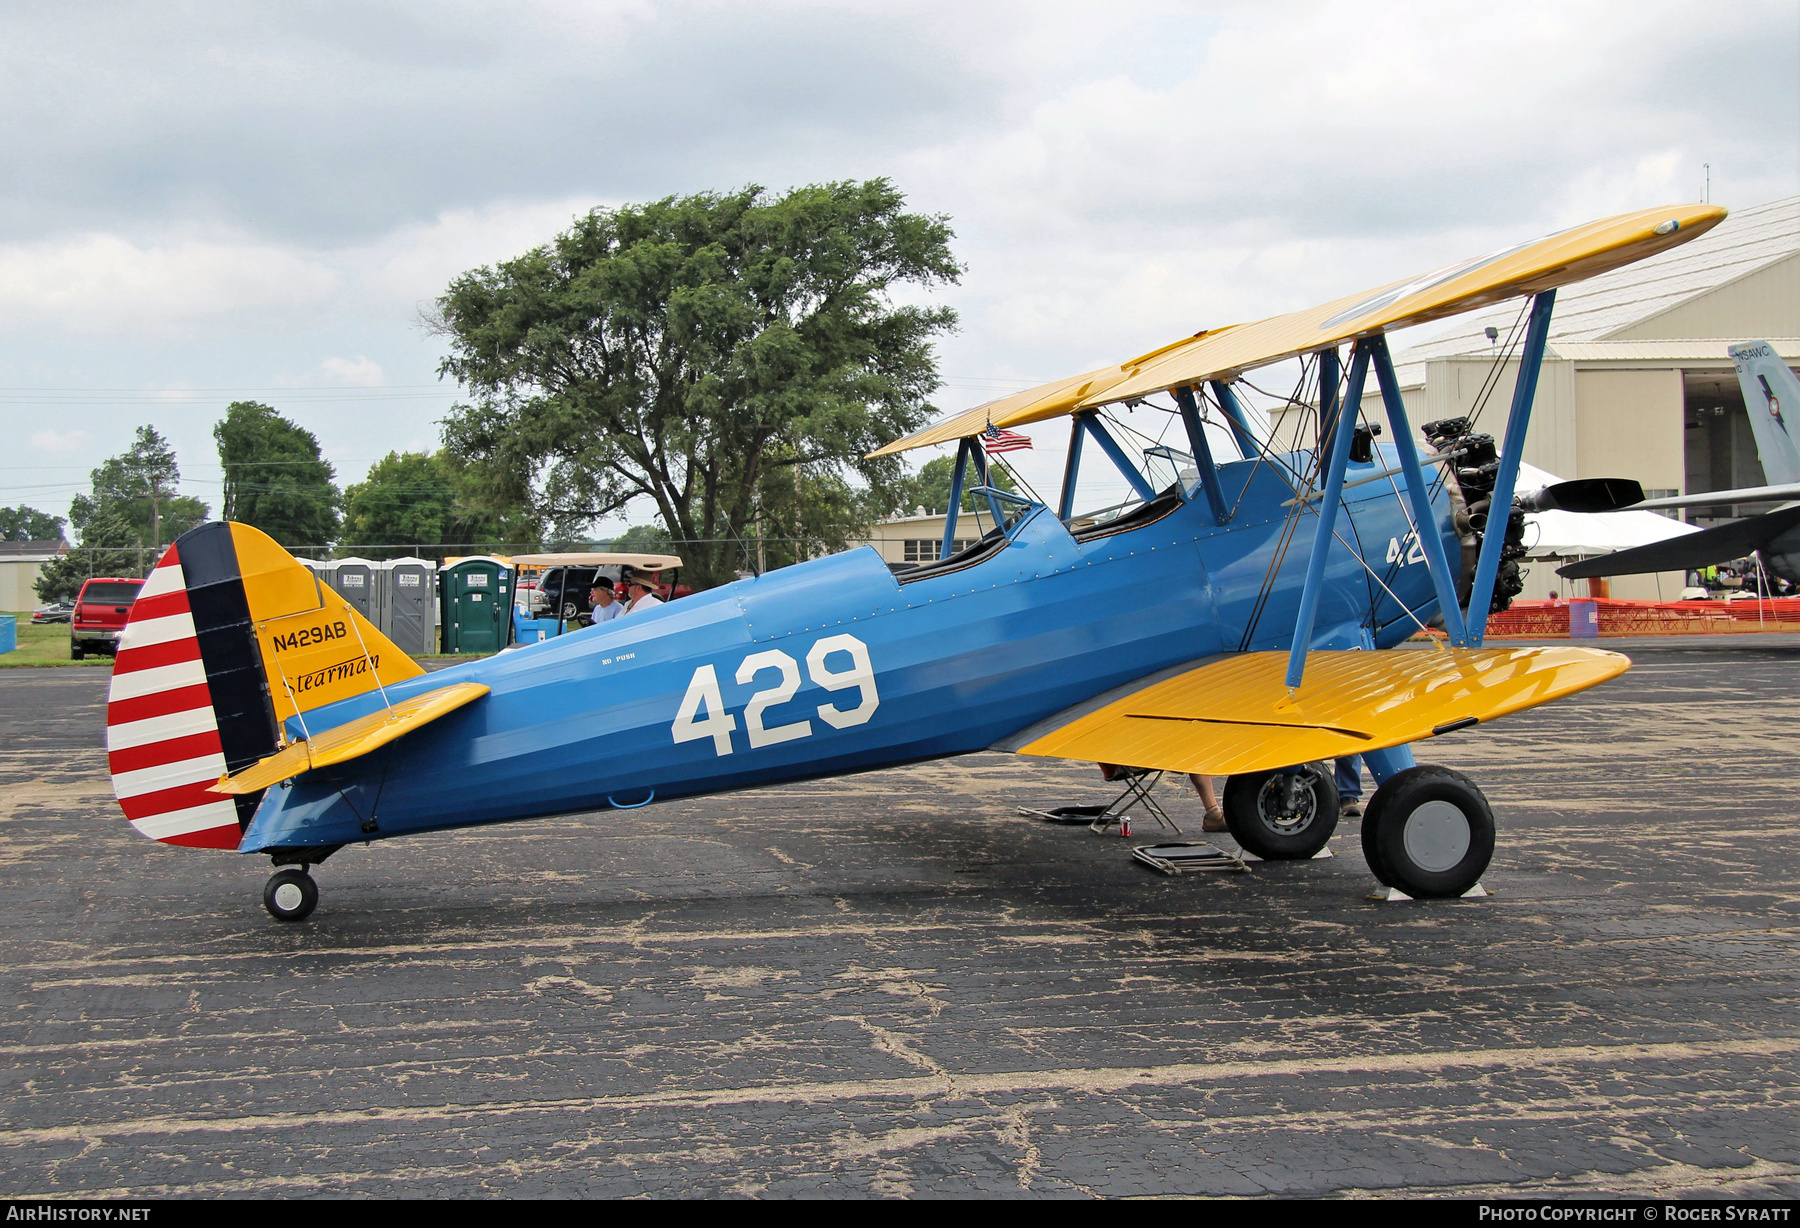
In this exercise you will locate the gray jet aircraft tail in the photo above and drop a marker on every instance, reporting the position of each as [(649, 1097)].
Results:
[(1771, 392)]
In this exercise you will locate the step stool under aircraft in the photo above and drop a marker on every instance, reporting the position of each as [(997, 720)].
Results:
[(1244, 619)]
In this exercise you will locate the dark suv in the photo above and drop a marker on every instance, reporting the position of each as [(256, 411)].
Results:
[(564, 591), (101, 609)]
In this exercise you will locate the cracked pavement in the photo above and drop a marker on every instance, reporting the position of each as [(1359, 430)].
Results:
[(891, 984)]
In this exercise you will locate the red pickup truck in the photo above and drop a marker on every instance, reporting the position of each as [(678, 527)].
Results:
[(100, 612)]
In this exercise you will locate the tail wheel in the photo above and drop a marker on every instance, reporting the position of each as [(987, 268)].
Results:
[(1429, 832), (290, 895), (1283, 815)]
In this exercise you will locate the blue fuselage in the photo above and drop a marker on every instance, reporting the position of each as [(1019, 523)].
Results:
[(837, 665)]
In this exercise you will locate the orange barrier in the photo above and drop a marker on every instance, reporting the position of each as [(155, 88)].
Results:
[(1550, 619)]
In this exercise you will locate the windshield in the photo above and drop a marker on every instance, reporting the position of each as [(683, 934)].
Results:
[(120, 592)]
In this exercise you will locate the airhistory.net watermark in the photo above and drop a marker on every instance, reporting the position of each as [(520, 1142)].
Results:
[(63, 1213)]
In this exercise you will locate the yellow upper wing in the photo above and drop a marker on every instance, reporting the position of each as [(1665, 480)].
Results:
[(1050, 400), (1557, 260), (1235, 713)]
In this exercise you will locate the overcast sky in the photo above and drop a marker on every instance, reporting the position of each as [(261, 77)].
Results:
[(204, 202)]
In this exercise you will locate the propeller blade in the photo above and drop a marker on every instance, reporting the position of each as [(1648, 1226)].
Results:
[(1708, 546), (1585, 495)]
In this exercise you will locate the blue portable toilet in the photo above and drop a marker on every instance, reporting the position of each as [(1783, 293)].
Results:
[(529, 630), (1584, 619)]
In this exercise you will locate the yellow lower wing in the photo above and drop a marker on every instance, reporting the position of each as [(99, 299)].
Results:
[(1235, 714), (347, 741)]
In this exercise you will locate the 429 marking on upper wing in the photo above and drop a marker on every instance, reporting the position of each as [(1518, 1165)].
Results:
[(703, 714)]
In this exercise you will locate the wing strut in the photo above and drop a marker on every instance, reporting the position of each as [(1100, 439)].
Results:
[(1466, 628), (966, 447), (1337, 459), (1065, 510), (1328, 388), (1116, 454), (1240, 425), (1511, 451), (1418, 492), (1203, 457)]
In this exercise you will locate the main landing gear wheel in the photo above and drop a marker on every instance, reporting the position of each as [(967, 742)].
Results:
[(1429, 832), (291, 895), (1284, 815)]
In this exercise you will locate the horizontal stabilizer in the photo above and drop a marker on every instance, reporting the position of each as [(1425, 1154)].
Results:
[(1691, 550), (351, 740), (1235, 714)]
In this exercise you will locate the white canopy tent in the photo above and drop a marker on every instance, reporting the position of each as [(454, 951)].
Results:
[(1571, 535)]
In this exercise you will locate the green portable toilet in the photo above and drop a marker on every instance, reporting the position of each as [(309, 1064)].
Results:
[(475, 596)]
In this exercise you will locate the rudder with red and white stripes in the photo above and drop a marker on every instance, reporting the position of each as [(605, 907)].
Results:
[(171, 730)]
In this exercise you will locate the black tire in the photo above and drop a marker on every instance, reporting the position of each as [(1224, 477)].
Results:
[(1282, 815), (280, 899), (1429, 832), (75, 653)]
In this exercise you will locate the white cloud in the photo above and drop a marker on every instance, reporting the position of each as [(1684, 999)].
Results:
[(411, 265), (359, 372), (105, 284), (48, 440), (227, 194)]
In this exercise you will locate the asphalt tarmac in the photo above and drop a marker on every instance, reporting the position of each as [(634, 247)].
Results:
[(891, 984)]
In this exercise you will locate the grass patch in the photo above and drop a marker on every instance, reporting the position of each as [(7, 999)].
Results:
[(47, 644)]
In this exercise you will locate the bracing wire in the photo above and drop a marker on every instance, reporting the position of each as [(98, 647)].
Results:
[(1489, 385), (1290, 526), (1017, 477)]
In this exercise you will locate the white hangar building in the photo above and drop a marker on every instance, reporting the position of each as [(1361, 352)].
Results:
[(1636, 382)]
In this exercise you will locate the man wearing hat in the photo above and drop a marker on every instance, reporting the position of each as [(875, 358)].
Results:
[(642, 586), (604, 606)]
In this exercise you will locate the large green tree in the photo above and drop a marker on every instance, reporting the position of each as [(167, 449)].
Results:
[(426, 503), (27, 524), (132, 511), (687, 350), (640, 539), (275, 477)]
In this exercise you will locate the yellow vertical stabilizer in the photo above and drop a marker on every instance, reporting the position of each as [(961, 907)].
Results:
[(316, 649)]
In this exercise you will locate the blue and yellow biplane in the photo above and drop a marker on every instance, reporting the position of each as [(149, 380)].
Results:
[(1244, 620)]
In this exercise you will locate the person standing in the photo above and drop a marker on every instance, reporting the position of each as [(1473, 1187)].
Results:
[(1209, 798), (1349, 786)]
